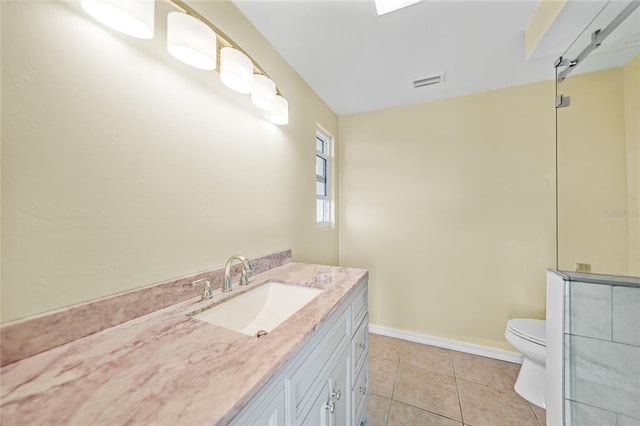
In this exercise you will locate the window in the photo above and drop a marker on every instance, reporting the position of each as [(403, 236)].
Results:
[(323, 179)]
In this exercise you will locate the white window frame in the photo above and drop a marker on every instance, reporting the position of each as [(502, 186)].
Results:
[(328, 140)]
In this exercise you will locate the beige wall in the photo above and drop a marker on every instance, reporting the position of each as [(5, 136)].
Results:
[(631, 75), (451, 206), (592, 175), (122, 167)]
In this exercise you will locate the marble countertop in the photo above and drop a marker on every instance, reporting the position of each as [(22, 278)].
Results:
[(167, 367)]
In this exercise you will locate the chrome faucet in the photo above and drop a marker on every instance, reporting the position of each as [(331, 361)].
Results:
[(246, 266)]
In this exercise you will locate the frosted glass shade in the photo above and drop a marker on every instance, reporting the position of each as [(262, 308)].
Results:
[(236, 70), (131, 17), (191, 41), (263, 94), (280, 113)]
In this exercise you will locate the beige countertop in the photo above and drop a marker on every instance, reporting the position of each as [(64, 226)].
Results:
[(167, 367)]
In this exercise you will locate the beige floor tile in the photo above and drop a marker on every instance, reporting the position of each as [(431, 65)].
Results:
[(384, 347), (429, 391), (377, 410), (406, 415), (382, 375), (427, 357), (485, 371), (541, 414), (485, 406), (515, 368)]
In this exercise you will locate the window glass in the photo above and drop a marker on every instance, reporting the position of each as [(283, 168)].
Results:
[(321, 167), (323, 179)]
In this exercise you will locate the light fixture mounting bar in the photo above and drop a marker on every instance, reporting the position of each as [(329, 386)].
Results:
[(223, 39)]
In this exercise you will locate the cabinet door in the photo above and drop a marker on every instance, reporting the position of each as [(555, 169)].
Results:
[(340, 380), (273, 413), (320, 412), (316, 368), (268, 409), (332, 407)]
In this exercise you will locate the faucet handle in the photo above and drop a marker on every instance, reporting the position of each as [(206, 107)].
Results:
[(247, 266), (244, 280), (207, 293)]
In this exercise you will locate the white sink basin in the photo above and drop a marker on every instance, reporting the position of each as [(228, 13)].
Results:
[(263, 308)]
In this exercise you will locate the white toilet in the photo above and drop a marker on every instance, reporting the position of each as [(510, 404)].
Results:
[(528, 336)]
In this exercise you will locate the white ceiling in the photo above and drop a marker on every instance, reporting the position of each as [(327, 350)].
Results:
[(357, 61), (622, 45)]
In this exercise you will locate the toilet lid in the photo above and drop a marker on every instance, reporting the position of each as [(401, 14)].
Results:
[(530, 329)]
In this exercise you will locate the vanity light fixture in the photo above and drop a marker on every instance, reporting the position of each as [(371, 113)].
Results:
[(194, 40), (280, 113), (236, 70), (263, 94), (386, 6), (131, 17), (191, 41)]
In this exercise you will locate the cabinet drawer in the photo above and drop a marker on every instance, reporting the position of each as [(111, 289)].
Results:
[(360, 346), (359, 305), (360, 392), (301, 383)]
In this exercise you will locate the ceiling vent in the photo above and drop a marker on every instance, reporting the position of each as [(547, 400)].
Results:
[(428, 81)]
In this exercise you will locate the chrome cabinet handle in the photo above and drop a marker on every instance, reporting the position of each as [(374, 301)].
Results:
[(363, 389), (361, 345), (336, 394), (331, 406)]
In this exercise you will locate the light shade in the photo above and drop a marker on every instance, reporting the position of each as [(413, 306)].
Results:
[(236, 70), (386, 6), (131, 17), (191, 41), (280, 113), (263, 94)]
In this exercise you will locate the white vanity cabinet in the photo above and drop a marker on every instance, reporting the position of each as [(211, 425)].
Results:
[(326, 381), (332, 403), (267, 412), (359, 356)]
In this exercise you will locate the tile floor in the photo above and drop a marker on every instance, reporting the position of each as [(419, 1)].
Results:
[(414, 384)]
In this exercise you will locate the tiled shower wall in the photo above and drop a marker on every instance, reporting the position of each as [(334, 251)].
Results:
[(602, 354)]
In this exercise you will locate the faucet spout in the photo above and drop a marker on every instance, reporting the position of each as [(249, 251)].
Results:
[(246, 266)]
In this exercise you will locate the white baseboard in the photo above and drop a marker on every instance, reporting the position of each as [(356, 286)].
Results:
[(456, 345)]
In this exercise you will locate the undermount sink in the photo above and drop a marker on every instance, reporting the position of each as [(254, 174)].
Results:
[(261, 309)]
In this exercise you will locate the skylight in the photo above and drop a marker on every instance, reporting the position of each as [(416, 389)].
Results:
[(386, 6)]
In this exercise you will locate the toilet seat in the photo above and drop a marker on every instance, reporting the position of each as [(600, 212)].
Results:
[(529, 329)]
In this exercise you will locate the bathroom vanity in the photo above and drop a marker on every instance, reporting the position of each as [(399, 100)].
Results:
[(168, 367), (326, 381), (593, 349)]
